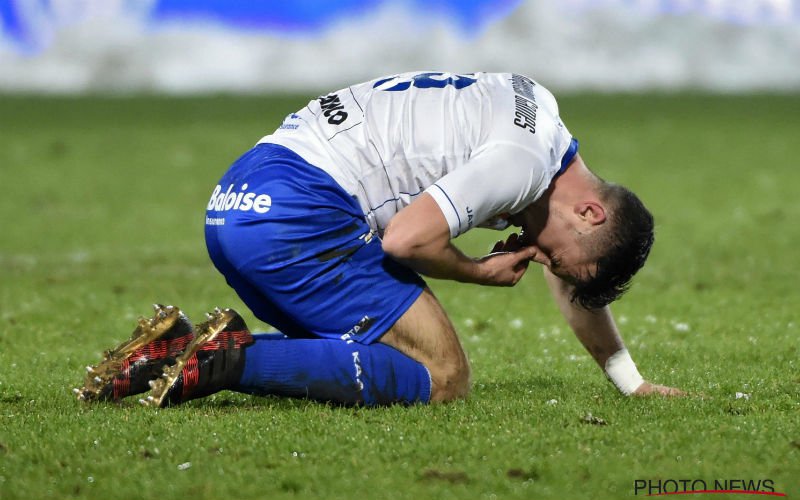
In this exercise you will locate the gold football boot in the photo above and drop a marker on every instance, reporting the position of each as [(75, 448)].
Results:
[(127, 369), (212, 362)]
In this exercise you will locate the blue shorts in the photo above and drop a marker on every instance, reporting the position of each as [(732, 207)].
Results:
[(296, 248)]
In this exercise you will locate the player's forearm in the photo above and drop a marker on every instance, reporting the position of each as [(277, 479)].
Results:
[(598, 333), (429, 253), (419, 237), (595, 329), (439, 258), (443, 262)]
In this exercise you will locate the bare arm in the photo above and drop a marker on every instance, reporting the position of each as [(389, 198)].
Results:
[(597, 331), (419, 237)]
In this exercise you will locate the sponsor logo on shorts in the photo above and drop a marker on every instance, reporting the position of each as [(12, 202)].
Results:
[(238, 200), (362, 326)]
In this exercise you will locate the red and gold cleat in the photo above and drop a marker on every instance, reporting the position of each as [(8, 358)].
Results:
[(128, 369), (212, 362)]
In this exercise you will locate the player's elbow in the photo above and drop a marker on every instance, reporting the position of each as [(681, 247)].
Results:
[(398, 245), (414, 243)]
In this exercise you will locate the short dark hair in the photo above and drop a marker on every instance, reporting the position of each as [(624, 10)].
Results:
[(623, 247)]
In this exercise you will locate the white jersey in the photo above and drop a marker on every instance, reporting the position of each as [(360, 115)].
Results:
[(484, 145)]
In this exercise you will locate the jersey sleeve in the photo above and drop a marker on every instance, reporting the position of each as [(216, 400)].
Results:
[(499, 178)]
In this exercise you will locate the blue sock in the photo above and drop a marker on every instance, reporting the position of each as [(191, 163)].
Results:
[(333, 370)]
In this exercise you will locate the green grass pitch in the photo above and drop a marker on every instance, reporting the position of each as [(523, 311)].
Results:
[(102, 211)]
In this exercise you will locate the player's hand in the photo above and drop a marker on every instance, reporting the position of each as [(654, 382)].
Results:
[(505, 268), (512, 244), (646, 389)]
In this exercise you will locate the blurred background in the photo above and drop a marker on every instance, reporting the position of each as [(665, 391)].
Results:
[(201, 46)]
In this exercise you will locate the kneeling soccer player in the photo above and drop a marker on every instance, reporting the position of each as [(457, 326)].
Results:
[(325, 226)]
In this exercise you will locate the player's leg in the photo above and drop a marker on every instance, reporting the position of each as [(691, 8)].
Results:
[(419, 359), (425, 334), (225, 356), (331, 369)]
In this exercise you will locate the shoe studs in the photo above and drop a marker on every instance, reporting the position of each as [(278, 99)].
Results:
[(79, 393), (149, 401), (99, 377)]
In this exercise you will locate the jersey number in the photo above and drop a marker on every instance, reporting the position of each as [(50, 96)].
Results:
[(425, 81)]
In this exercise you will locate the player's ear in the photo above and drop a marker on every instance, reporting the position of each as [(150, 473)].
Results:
[(591, 211)]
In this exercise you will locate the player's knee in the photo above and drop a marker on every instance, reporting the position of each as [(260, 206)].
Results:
[(450, 379)]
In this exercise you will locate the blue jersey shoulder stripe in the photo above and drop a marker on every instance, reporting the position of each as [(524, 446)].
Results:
[(572, 150)]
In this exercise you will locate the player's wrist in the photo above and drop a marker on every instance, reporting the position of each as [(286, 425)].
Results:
[(622, 372), (481, 271)]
